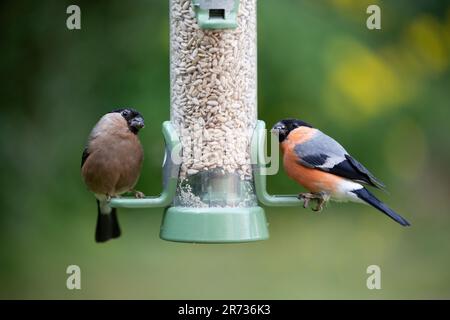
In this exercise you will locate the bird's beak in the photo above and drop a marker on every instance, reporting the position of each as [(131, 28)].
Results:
[(138, 123), (278, 128), (275, 131)]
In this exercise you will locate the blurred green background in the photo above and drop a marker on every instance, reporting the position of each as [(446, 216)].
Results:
[(383, 94)]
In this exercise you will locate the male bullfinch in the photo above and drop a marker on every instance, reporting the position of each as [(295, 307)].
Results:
[(321, 165), (111, 165)]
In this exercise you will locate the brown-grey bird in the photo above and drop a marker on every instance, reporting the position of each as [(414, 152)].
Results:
[(111, 165)]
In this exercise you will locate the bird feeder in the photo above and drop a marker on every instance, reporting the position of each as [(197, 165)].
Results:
[(215, 164)]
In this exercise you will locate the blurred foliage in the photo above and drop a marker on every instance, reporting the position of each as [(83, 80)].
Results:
[(383, 94)]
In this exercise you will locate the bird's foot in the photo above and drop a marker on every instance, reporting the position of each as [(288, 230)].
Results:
[(307, 197), (322, 200), (138, 194), (320, 203)]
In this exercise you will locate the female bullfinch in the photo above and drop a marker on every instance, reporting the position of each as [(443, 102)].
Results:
[(111, 165), (321, 165)]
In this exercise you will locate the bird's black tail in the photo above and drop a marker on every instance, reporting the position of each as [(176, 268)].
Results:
[(107, 225), (368, 197)]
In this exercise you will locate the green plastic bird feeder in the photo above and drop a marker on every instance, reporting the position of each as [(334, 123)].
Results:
[(215, 165)]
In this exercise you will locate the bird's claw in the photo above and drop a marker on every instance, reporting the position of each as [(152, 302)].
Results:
[(139, 194), (307, 197), (320, 204), (306, 202)]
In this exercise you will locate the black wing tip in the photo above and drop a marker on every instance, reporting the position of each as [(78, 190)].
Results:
[(376, 183), (371, 179)]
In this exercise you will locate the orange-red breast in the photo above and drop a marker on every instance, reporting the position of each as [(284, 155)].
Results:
[(321, 165)]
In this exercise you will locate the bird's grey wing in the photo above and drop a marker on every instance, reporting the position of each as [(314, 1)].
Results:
[(321, 152), (324, 153), (84, 156)]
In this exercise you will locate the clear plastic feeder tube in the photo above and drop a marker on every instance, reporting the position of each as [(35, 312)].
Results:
[(213, 106)]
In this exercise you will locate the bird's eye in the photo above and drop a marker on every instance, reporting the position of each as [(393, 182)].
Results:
[(125, 113)]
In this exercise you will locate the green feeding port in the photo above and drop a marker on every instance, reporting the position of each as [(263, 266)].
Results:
[(216, 14)]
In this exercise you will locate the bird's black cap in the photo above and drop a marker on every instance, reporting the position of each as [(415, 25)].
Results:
[(285, 126), (133, 117)]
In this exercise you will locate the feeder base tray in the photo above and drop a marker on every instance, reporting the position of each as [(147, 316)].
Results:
[(214, 225)]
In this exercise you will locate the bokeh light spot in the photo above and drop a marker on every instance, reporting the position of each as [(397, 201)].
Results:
[(426, 38)]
